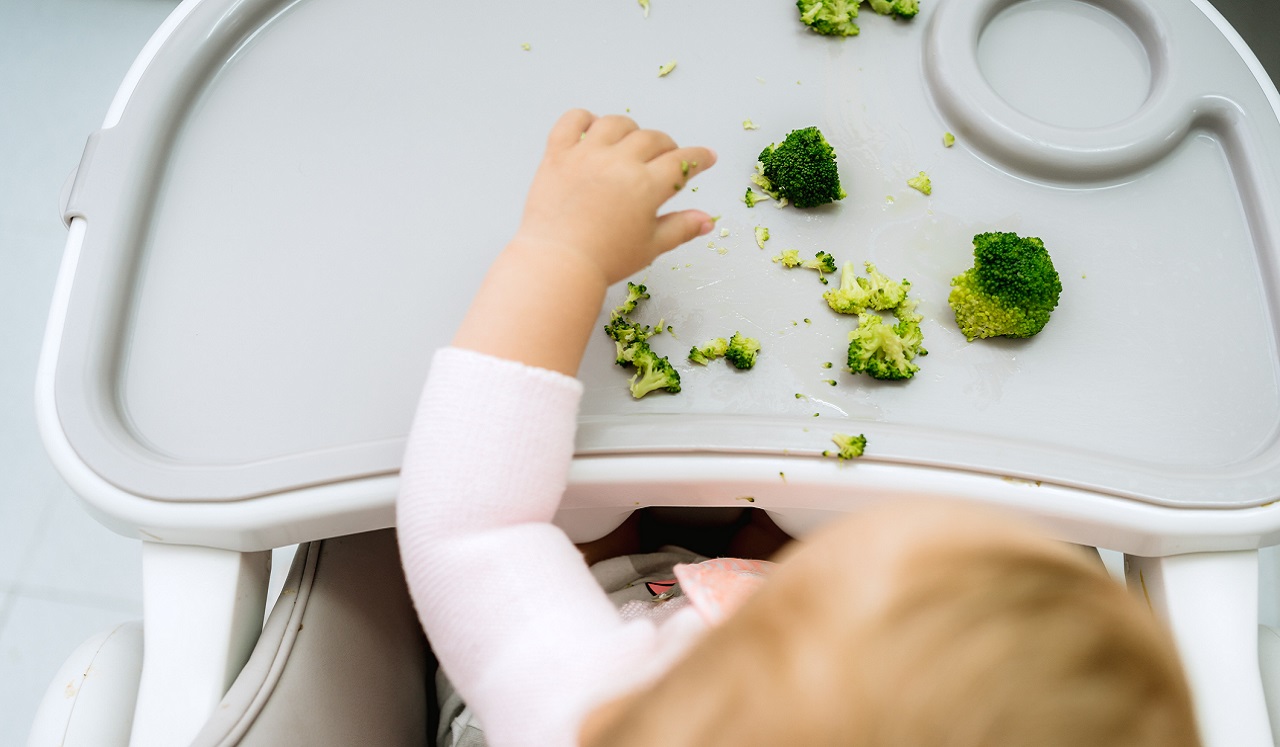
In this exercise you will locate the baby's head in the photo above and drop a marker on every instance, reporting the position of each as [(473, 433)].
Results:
[(921, 624)]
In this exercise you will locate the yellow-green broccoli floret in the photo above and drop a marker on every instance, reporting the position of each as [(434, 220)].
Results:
[(830, 17), (948, 140), (1010, 290), (742, 351), (822, 262), (762, 235), (708, 351), (751, 198), (789, 258), (801, 170), (664, 70), (900, 8), (882, 351), (856, 294), (851, 447), (653, 372), (921, 183)]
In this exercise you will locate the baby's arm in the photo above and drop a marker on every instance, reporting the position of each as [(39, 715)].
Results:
[(517, 621), (590, 221)]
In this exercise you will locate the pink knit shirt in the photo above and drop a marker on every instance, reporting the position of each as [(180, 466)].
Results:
[(521, 628)]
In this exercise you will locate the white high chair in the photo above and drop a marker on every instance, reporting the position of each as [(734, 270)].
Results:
[(276, 225)]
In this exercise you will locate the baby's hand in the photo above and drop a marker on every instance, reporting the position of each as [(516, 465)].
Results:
[(596, 195)]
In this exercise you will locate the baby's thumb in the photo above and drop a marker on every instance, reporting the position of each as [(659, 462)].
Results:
[(676, 228)]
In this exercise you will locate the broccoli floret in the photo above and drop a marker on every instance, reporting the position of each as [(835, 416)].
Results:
[(921, 183), (822, 262), (830, 17), (948, 140), (856, 294), (800, 170), (653, 372), (900, 8), (742, 351), (879, 351), (762, 235), (626, 334), (635, 294), (851, 447), (789, 258), (708, 351), (751, 198), (1010, 290)]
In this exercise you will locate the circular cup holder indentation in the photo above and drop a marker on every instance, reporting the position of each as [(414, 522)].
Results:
[(1066, 63)]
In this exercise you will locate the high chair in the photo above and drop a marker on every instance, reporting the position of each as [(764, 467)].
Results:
[(279, 221)]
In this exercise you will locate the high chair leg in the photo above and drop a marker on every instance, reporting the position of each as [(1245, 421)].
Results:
[(1210, 602), (202, 613)]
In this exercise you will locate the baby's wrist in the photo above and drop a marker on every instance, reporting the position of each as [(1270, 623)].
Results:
[(559, 257)]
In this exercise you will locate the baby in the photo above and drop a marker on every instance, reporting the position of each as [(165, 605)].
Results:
[(906, 624)]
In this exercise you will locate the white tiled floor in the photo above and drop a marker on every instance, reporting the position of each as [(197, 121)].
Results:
[(62, 576)]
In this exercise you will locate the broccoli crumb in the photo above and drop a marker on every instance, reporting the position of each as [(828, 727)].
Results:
[(889, 199), (826, 364), (665, 70), (851, 447), (948, 140), (724, 233), (832, 382), (645, 5), (807, 320), (749, 125), (526, 46), (762, 233), (800, 396), (816, 414), (783, 475), (921, 183)]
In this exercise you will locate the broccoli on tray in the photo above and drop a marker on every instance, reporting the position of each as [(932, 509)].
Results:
[(801, 170), (857, 294), (742, 351), (1010, 290), (884, 351), (708, 351), (822, 262), (653, 371), (836, 17), (851, 447)]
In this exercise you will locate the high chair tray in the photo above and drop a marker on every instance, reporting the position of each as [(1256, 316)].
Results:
[(291, 204)]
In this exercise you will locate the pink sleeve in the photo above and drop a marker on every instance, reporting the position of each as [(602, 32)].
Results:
[(517, 621)]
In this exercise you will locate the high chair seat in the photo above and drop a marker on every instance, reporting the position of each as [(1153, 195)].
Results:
[(341, 659)]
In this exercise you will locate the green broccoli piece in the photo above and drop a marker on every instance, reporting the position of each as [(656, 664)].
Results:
[(789, 258), (851, 447), (742, 351), (708, 351), (626, 334), (635, 294), (801, 170), (1010, 290), (822, 262), (653, 372), (921, 183), (830, 17), (751, 198), (900, 8), (856, 294), (882, 351)]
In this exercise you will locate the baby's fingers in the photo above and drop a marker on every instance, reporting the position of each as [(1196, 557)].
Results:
[(680, 165), (674, 229), (567, 130)]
